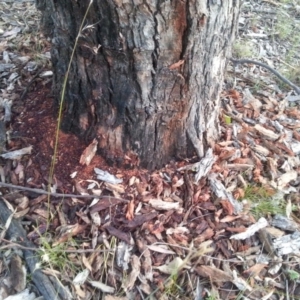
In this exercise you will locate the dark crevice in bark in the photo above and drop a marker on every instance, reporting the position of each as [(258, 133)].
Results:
[(186, 32), (155, 53)]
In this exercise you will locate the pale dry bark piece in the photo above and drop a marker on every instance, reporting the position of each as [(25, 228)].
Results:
[(88, 153), (24, 295), (260, 150), (123, 255), (267, 133), (221, 192), (81, 277), (17, 154), (107, 177), (203, 166), (284, 223), (251, 230), (288, 244), (286, 178), (103, 287), (163, 205)]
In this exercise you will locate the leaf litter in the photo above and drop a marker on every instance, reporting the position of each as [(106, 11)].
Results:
[(187, 230)]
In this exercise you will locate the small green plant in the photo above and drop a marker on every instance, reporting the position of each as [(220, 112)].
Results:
[(242, 49), (172, 287), (258, 86), (211, 297), (264, 201), (293, 275), (176, 267), (283, 27), (292, 74), (56, 257), (108, 259)]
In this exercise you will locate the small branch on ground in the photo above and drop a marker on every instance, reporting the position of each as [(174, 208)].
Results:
[(56, 195)]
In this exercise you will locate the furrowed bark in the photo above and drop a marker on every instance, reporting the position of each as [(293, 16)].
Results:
[(147, 74)]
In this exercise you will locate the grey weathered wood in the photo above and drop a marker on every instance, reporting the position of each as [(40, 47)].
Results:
[(124, 88)]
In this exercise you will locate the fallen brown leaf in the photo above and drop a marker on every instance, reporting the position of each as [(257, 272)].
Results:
[(213, 273), (227, 206), (254, 270)]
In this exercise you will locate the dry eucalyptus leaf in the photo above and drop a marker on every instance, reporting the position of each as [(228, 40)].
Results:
[(103, 287), (160, 249), (172, 267), (163, 205)]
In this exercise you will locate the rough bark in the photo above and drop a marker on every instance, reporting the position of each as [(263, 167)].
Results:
[(124, 87)]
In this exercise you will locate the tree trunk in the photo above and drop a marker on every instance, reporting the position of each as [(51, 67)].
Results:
[(146, 75)]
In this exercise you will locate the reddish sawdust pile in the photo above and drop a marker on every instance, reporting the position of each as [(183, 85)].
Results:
[(35, 124)]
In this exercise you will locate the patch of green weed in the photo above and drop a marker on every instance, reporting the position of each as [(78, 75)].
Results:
[(293, 275), (56, 258), (242, 49), (264, 201)]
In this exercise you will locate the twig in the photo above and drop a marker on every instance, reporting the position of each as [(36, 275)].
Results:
[(56, 195), (12, 244), (285, 80), (30, 83)]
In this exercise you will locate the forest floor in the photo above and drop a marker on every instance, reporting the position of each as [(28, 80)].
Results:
[(224, 227)]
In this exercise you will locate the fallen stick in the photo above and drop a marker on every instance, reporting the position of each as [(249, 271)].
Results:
[(56, 195), (258, 63)]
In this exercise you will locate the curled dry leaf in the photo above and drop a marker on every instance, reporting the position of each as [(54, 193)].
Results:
[(130, 210), (68, 231), (172, 267), (176, 65), (88, 153), (158, 182), (227, 206), (239, 193), (86, 263), (254, 270), (129, 282)]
